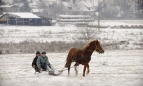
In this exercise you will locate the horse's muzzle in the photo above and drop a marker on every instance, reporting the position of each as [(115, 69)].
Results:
[(102, 51)]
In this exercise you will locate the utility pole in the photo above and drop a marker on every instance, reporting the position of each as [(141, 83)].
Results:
[(98, 18)]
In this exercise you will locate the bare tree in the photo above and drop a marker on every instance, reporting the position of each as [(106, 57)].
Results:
[(86, 33)]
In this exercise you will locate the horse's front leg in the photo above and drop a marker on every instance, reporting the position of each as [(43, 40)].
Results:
[(75, 67), (84, 70), (88, 70)]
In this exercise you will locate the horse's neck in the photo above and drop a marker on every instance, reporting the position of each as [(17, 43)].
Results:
[(89, 51)]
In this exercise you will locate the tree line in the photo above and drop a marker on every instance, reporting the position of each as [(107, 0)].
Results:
[(121, 9)]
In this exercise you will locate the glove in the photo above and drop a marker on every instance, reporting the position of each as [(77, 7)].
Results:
[(39, 70), (33, 66), (50, 66)]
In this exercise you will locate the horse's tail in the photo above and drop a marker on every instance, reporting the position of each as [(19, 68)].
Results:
[(69, 58)]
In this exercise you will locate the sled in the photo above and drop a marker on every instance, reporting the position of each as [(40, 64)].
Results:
[(53, 71)]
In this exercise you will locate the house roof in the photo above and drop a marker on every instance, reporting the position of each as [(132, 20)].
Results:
[(37, 10), (6, 6), (33, 4), (95, 2), (23, 14), (74, 16), (84, 5)]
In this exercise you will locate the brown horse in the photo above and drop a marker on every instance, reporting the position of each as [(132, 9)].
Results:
[(83, 56)]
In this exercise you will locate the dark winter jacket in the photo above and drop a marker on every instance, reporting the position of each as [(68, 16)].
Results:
[(42, 60), (35, 61)]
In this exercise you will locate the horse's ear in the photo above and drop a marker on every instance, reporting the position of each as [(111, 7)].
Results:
[(97, 42)]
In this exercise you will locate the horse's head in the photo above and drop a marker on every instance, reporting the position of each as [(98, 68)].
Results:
[(93, 45), (98, 47)]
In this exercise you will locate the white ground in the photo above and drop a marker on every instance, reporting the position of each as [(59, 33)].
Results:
[(113, 68), (18, 34)]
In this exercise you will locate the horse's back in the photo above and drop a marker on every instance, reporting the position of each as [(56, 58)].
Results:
[(72, 49)]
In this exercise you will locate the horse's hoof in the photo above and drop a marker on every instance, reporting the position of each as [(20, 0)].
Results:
[(87, 73)]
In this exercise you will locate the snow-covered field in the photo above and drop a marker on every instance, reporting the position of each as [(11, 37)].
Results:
[(123, 38), (113, 68), (18, 34)]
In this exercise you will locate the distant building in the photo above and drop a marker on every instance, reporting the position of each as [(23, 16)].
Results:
[(77, 5), (37, 11), (80, 7), (23, 18), (33, 5), (9, 8)]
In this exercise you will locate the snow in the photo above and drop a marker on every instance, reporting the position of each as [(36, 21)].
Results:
[(74, 16), (66, 4), (6, 6), (117, 23), (40, 33), (113, 68), (24, 14)]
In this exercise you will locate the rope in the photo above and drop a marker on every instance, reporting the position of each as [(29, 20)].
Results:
[(61, 71)]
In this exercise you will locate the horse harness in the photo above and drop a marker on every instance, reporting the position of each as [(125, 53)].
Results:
[(78, 59)]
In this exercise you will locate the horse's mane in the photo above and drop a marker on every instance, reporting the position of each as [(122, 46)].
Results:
[(87, 45)]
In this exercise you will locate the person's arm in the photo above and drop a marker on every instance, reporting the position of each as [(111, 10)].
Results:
[(34, 60), (38, 63), (47, 62)]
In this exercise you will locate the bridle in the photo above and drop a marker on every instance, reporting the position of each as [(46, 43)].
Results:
[(96, 48)]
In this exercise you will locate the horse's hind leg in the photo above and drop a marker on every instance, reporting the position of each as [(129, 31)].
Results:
[(69, 69), (88, 70), (75, 67)]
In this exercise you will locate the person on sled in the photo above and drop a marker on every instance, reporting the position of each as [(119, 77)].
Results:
[(43, 62), (34, 63)]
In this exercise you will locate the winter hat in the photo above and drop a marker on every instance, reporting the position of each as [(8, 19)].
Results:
[(43, 52), (38, 52)]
